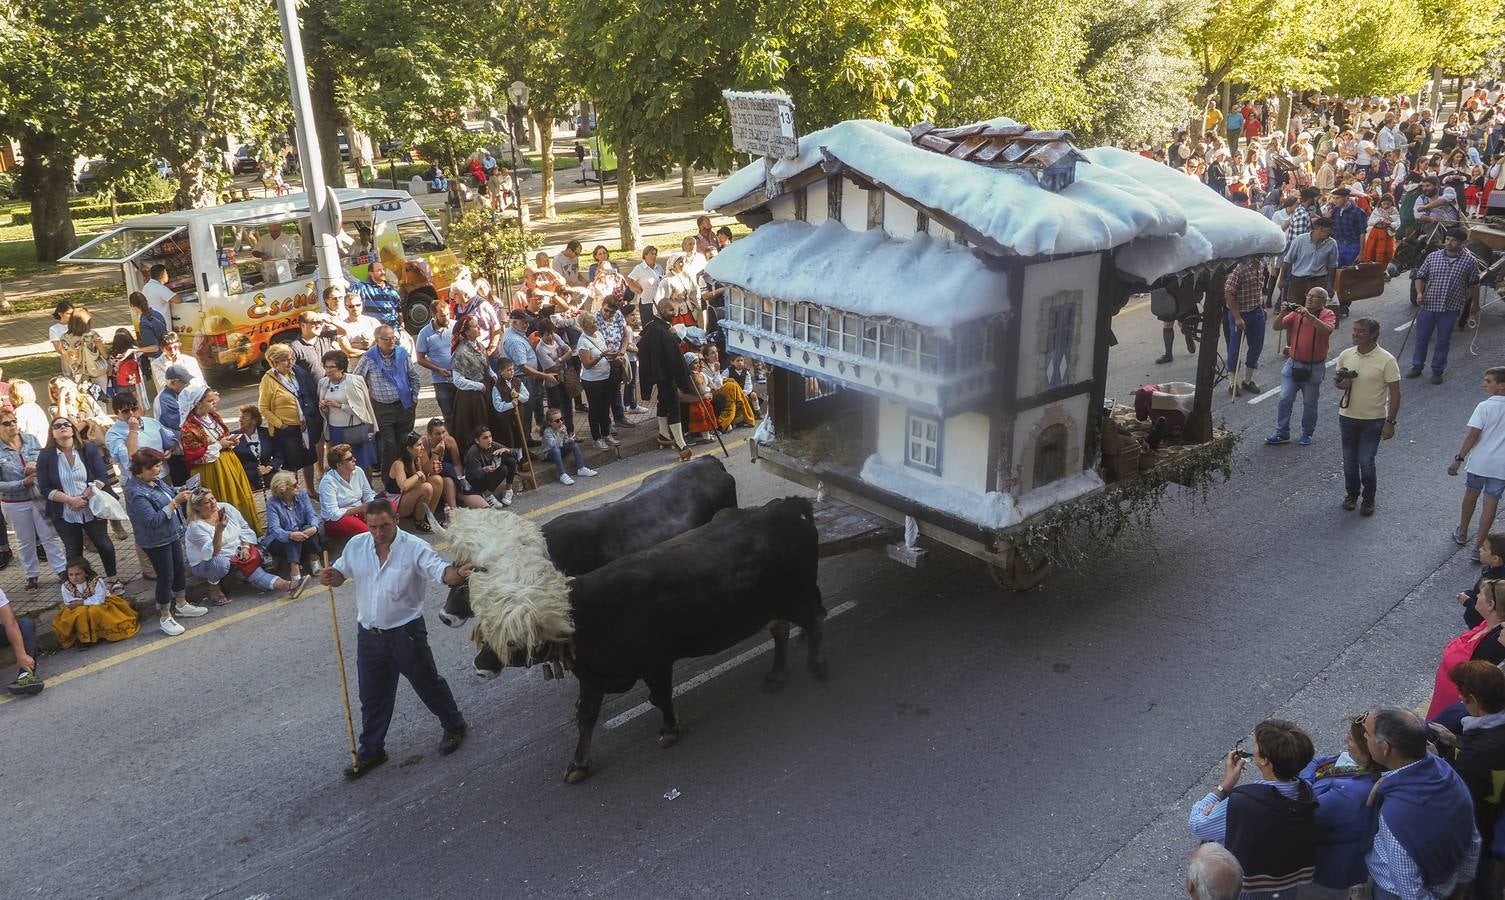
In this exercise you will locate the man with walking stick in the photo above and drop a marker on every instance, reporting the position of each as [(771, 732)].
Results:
[(392, 570)]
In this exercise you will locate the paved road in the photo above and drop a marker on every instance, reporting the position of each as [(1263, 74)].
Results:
[(969, 743)]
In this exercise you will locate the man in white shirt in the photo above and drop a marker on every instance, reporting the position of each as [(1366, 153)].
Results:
[(274, 245), (392, 572), (1483, 452), (159, 296), (644, 279)]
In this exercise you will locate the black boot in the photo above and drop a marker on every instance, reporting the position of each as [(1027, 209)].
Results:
[(1168, 335)]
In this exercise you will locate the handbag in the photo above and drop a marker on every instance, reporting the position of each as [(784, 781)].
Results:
[(357, 434), (251, 563), (571, 383)]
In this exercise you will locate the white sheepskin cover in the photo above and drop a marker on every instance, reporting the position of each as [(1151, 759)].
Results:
[(521, 600)]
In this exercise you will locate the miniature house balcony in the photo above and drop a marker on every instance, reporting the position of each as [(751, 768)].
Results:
[(920, 367)]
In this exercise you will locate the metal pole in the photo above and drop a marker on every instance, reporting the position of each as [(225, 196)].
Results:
[(600, 173), (323, 213)]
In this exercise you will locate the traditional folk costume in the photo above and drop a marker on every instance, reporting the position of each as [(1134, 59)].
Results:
[(219, 472), (89, 615)]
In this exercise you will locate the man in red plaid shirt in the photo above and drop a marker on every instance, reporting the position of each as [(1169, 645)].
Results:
[(1244, 292), (1442, 287)]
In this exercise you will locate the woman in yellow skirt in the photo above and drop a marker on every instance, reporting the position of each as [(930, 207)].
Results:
[(209, 452), (89, 615)]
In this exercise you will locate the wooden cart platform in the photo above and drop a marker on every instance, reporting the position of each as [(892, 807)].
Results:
[(844, 528)]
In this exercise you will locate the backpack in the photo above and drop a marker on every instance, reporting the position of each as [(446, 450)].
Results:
[(128, 372)]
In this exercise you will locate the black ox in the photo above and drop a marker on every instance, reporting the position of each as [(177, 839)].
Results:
[(664, 505), (695, 595)]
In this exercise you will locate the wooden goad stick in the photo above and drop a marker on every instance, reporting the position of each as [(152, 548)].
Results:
[(339, 655), (527, 455)]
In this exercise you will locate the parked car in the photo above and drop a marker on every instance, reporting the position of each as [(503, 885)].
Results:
[(246, 162), (86, 180)]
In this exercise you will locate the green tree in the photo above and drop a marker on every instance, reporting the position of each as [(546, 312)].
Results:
[(1363, 53), (206, 68), (1023, 67), (1265, 44)]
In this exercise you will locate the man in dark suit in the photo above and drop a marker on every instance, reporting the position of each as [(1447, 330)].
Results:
[(662, 370)]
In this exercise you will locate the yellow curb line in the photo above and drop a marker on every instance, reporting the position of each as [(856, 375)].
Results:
[(244, 614)]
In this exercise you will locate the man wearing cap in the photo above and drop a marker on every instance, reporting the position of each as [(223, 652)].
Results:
[(170, 416), (1442, 287), (516, 347)]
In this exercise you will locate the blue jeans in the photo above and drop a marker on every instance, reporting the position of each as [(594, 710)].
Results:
[(1427, 322), (28, 636), (1309, 391), (1254, 325), (381, 656), (444, 395), (168, 561), (554, 454), (294, 551), (214, 571), (1361, 440)]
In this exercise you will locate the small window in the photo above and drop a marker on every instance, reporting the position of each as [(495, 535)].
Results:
[(356, 248), (749, 309), (888, 344), (909, 348), (929, 353), (781, 317), (767, 317), (832, 331), (1060, 337), (870, 340), (802, 322), (418, 237), (922, 447), (850, 336)]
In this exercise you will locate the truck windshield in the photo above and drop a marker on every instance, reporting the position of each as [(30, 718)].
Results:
[(121, 245)]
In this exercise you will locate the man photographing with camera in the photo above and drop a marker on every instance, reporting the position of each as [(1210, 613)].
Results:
[(1310, 326), (1369, 378)]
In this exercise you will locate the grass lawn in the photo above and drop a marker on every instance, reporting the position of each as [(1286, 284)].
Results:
[(36, 369), (18, 255)]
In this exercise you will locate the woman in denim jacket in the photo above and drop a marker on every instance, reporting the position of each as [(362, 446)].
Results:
[(156, 513)]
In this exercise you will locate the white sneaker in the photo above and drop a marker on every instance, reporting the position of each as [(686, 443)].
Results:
[(507, 497), (564, 477), (494, 503), (638, 410), (588, 473), (613, 440), (601, 444), (170, 626), (189, 611)]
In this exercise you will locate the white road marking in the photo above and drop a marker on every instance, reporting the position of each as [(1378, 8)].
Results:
[(1400, 328), (1275, 392), (745, 656)]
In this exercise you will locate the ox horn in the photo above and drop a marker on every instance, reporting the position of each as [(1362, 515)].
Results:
[(439, 530)]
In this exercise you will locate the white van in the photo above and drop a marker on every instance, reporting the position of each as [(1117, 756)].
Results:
[(234, 304)]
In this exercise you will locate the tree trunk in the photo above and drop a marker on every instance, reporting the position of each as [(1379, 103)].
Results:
[(627, 201), (544, 122), (1434, 99), (1291, 100), (1225, 98), (114, 207), (46, 177), (328, 117), (193, 193), (686, 180)]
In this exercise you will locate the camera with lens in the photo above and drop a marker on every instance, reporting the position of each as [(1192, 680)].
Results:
[(1347, 373), (1291, 307)]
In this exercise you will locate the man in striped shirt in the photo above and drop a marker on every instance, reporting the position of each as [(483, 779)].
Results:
[(1269, 825)]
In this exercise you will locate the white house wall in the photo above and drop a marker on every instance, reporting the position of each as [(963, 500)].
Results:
[(964, 446), (899, 218), (817, 203), (1027, 424), (1041, 282), (853, 205), (782, 207)]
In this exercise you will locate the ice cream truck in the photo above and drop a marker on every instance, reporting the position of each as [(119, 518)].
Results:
[(244, 271)]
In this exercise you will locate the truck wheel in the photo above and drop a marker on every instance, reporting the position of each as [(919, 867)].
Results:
[(1020, 575)]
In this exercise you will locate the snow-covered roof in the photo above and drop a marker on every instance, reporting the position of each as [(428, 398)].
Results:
[(1216, 229), (1112, 203), (928, 281)]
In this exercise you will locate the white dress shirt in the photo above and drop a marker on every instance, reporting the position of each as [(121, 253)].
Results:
[(198, 540), (390, 594)]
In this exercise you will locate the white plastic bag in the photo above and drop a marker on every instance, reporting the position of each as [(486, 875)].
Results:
[(763, 434), (105, 506)]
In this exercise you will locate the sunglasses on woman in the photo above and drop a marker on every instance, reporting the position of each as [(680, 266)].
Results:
[(57, 425)]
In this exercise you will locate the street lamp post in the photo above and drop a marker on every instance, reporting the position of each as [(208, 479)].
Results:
[(517, 95), (323, 209)]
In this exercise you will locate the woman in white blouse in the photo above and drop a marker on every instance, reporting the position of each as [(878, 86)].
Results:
[(344, 492), (219, 543), (345, 402)]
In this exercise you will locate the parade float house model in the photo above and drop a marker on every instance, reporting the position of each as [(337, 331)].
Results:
[(957, 286)]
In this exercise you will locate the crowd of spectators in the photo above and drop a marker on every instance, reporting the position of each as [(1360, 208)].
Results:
[(132, 432)]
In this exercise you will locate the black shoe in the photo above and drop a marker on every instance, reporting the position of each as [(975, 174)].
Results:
[(362, 766), (1366, 508), (1414, 372), (1350, 502), (451, 741), (25, 685), (1437, 378), (5, 557), (1250, 387), (1164, 359)]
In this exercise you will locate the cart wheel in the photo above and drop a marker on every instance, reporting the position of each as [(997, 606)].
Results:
[(1021, 574)]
